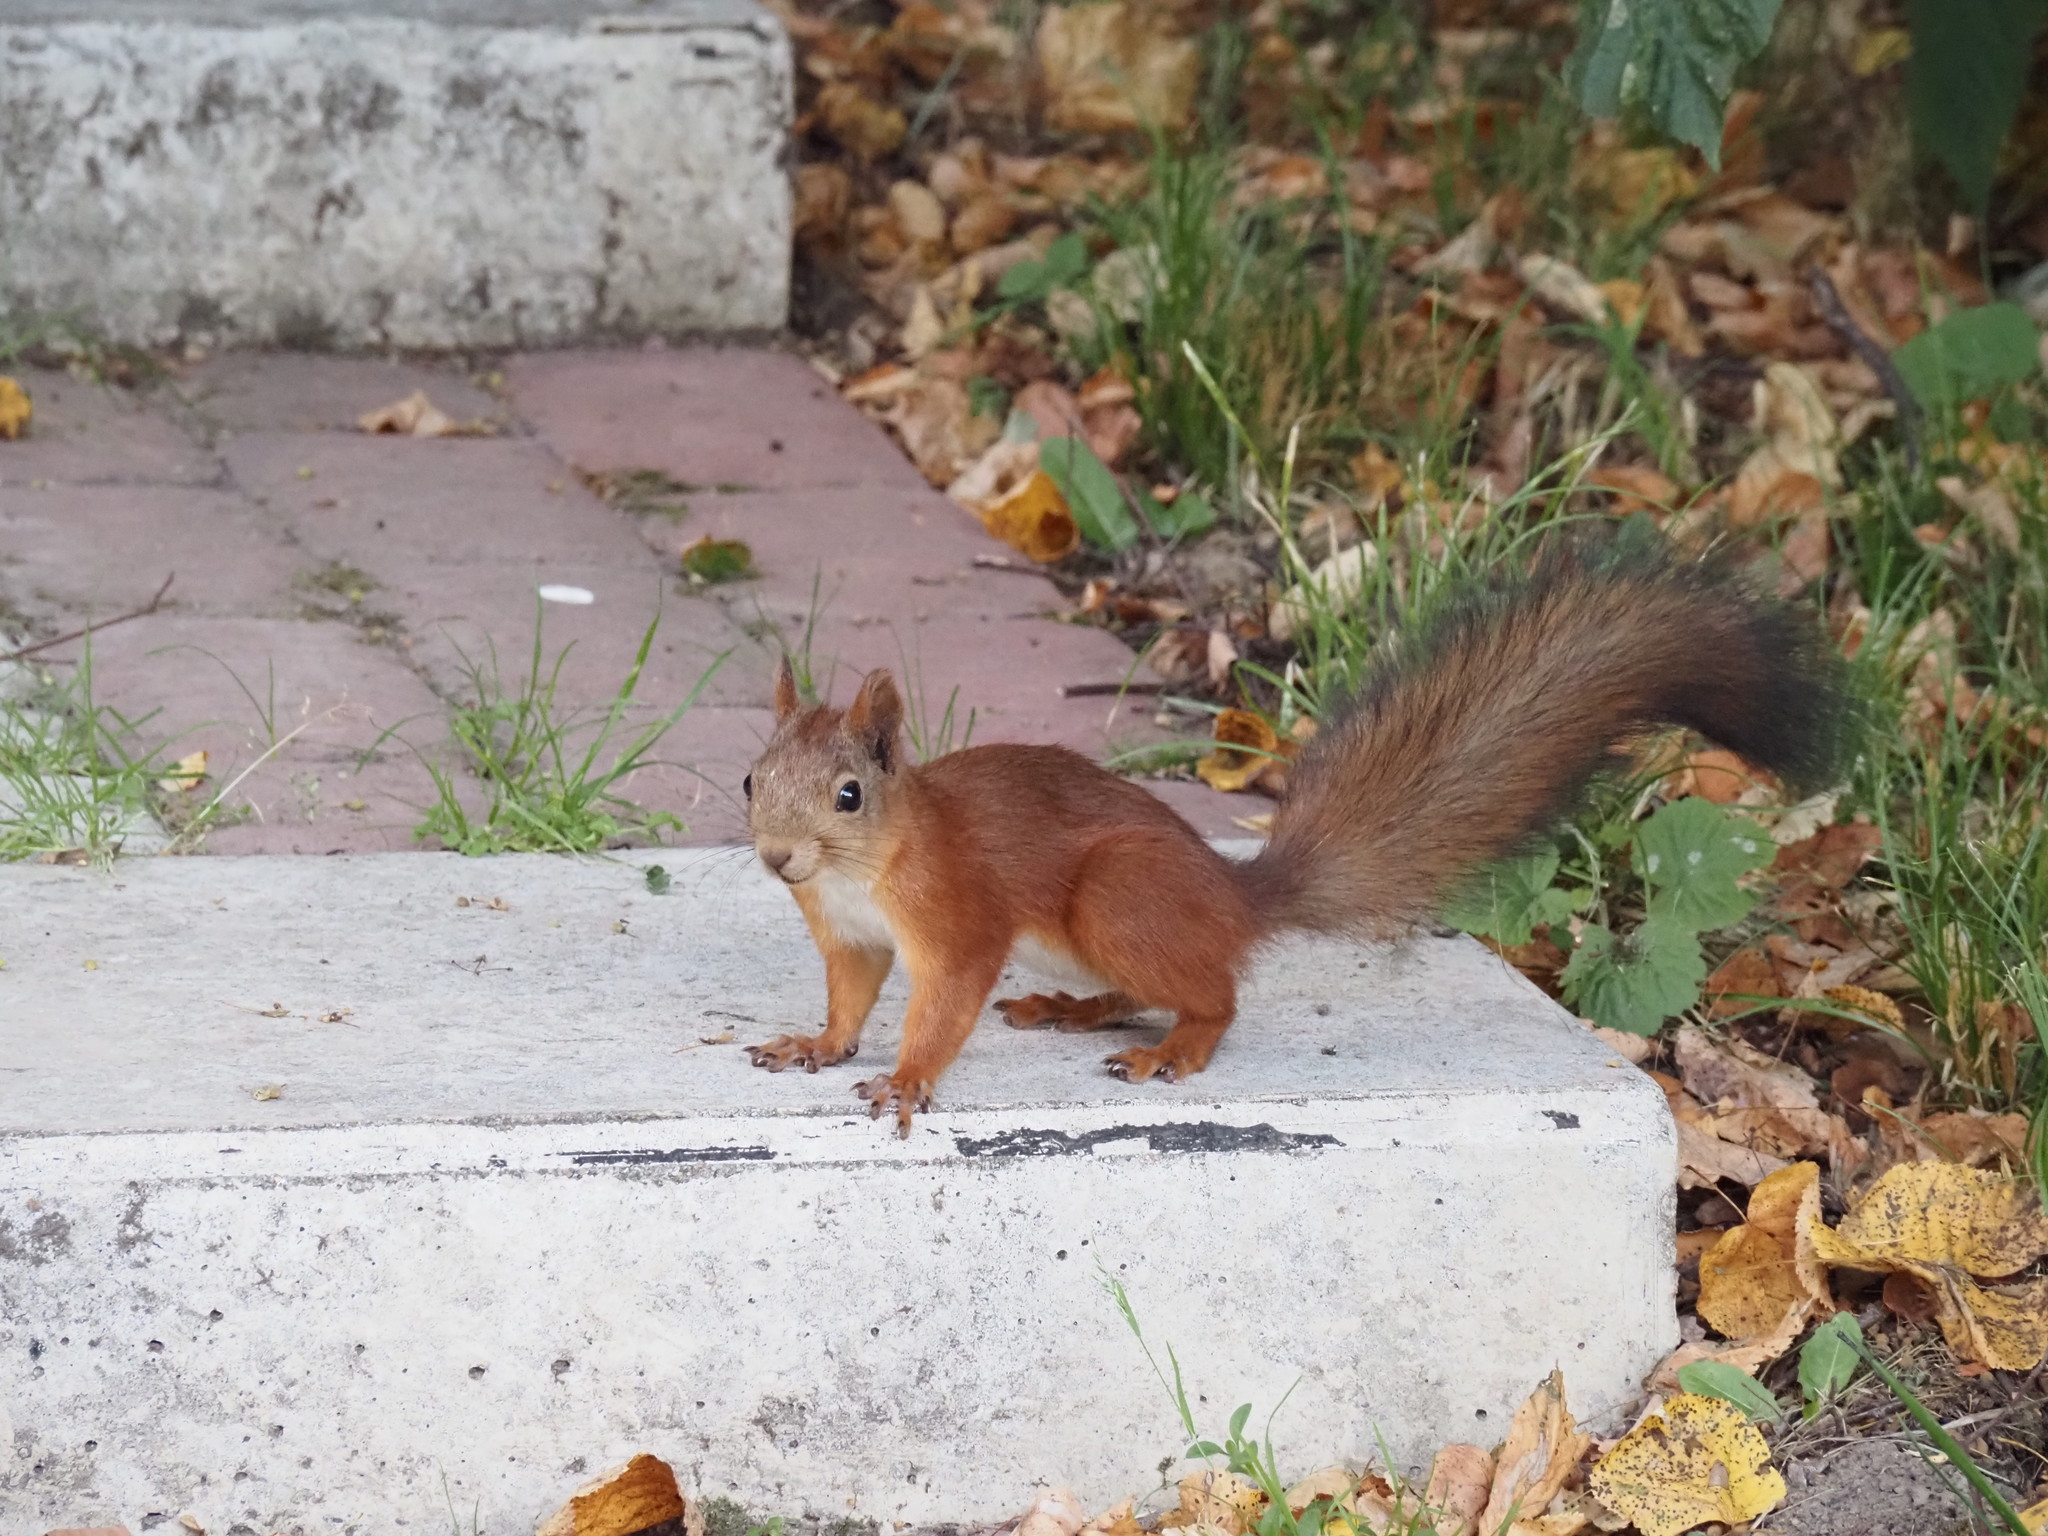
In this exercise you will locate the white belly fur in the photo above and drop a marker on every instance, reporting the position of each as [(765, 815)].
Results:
[(1056, 966), (850, 912)]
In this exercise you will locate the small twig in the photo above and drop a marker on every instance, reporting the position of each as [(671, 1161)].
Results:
[(1106, 690), (1005, 563), (79, 634), (1827, 299)]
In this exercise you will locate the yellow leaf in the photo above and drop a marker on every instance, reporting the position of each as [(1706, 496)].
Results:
[(2035, 1518), (16, 409), (1761, 1271), (1245, 746), (1033, 518), (1947, 1224), (188, 773), (1699, 1460)]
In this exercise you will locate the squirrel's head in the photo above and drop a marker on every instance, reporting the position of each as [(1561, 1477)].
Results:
[(819, 791)]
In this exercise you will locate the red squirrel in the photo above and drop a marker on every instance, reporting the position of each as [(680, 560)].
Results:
[(1465, 739)]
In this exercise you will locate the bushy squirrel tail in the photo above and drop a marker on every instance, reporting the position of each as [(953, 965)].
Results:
[(1484, 727)]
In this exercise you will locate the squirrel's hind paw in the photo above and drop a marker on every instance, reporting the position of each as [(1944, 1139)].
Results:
[(807, 1051), (898, 1092)]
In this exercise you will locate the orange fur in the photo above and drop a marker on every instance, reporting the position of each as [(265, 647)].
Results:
[(1459, 748)]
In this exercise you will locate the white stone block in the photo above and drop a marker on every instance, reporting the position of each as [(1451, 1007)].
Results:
[(507, 1219), (439, 173)]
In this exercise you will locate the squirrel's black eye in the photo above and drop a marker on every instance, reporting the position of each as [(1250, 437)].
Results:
[(747, 786), (849, 797)]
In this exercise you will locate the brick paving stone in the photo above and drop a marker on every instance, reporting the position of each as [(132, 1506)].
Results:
[(89, 552), (387, 503), (232, 685), (707, 416), (299, 392), (458, 615), (86, 433)]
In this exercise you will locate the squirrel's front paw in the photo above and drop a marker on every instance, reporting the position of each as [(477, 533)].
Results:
[(1145, 1062), (899, 1091), (807, 1051)]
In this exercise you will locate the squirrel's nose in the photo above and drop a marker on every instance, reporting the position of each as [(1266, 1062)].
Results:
[(776, 858)]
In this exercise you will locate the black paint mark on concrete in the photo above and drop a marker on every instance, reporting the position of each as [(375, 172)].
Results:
[(1562, 1119), (1200, 1136), (641, 1156)]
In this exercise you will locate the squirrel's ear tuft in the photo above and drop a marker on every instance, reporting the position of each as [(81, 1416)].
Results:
[(786, 700), (874, 717)]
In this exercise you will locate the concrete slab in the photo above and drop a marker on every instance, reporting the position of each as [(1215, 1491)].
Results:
[(332, 174), (506, 1218), (707, 416), (85, 433), (298, 392)]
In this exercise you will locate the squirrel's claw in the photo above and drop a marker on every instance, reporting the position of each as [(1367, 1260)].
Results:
[(892, 1092), (1144, 1062), (806, 1051)]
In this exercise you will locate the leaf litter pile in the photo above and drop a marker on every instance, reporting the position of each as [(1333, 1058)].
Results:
[(1258, 327)]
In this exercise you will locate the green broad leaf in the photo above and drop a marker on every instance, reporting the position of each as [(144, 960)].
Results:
[(1965, 80), (1717, 1378), (1187, 514), (1063, 265), (1675, 58), (1092, 492), (1690, 854), (1969, 355), (1506, 901), (1827, 1361), (1635, 983)]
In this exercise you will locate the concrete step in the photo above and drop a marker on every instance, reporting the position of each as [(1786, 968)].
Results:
[(507, 1219), (379, 173)]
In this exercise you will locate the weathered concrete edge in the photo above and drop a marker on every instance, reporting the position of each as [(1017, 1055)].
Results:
[(152, 213)]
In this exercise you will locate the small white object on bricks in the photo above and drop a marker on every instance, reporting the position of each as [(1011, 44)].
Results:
[(393, 173), (521, 1209)]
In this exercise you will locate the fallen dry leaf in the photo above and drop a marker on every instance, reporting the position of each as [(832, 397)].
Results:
[(1565, 289), (1751, 1355), (16, 409), (1714, 774), (1636, 487), (1332, 587), (1460, 1483), (417, 416), (1109, 69), (865, 128), (627, 1499), (1763, 1279), (1704, 1160), (1951, 1226), (186, 775), (934, 418), (1699, 1459), (1750, 1099), (1246, 746), (1542, 1449), (1991, 504), (1221, 1501), (1034, 520), (1118, 1520)]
